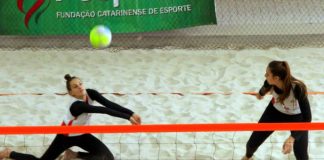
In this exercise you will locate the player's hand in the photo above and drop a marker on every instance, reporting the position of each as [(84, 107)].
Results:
[(258, 96), (135, 119), (288, 145)]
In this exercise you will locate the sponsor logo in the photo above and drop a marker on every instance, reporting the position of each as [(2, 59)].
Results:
[(31, 11), (37, 8)]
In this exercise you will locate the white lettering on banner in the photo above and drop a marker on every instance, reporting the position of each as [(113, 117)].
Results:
[(124, 12), (115, 2), (128, 12), (83, 14), (175, 9), (153, 11)]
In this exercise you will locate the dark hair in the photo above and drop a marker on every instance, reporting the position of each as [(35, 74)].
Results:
[(68, 79), (282, 70)]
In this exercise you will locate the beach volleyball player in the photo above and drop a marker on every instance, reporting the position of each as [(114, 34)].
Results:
[(78, 112), (289, 104)]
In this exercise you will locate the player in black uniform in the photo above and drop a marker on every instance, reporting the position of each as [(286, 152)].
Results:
[(289, 104), (78, 113)]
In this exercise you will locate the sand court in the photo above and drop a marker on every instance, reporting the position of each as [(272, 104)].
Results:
[(162, 71)]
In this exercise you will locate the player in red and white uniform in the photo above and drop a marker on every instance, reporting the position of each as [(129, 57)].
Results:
[(78, 113)]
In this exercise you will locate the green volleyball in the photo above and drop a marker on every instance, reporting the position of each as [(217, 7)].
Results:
[(100, 37)]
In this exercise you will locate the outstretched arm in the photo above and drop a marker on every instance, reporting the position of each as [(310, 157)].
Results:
[(265, 88), (80, 107), (95, 95)]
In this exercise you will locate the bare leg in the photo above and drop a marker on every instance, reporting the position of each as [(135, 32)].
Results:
[(5, 153), (246, 158), (69, 154)]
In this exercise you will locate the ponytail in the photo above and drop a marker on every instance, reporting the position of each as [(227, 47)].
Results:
[(282, 70)]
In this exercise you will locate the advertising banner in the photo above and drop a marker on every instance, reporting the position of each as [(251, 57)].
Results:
[(77, 17)]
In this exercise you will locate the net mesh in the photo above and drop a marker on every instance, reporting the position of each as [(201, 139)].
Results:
[(174, 146), (228, 145)]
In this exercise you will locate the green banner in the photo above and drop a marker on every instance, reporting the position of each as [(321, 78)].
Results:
[(77, 17)]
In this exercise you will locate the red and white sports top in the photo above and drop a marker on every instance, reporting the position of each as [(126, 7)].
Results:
[(289, 106), (81, 120)]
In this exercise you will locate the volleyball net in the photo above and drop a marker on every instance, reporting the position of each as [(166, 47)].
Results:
[(165, 141), (184, 141)]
